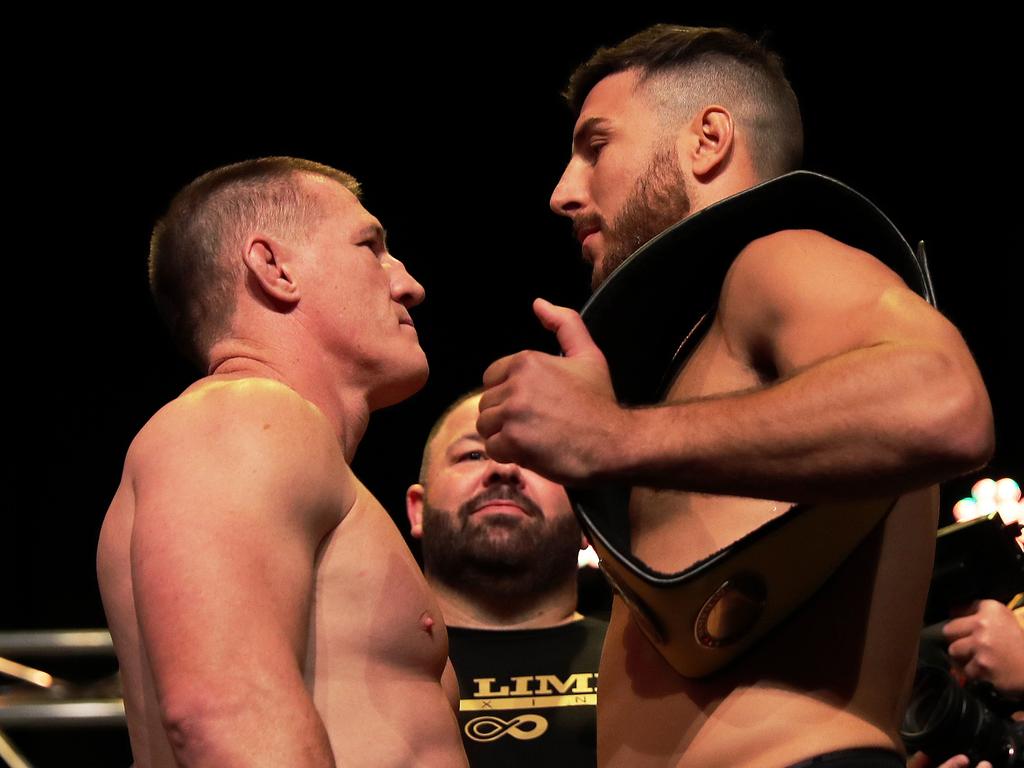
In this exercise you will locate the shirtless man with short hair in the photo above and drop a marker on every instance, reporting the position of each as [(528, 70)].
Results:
[(264, 608), (822, 377)]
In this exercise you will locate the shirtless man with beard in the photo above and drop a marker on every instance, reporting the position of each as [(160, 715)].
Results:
[(822, 377)]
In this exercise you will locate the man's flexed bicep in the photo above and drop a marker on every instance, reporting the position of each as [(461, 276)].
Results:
[(236, 486), (854, 359), (796, 298)]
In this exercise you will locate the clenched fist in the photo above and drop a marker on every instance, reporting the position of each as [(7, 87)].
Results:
[(555, 415)]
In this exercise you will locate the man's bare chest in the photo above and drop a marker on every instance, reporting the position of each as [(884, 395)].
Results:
[(371, 602), (714, 367), (673, 529)]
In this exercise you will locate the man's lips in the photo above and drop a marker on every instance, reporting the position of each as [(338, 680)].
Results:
[(582, 233), (498, 500), (584, 227), (501, 501), (500, 506)]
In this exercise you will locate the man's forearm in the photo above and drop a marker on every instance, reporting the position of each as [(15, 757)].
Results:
[(251, 732), (879, 420)]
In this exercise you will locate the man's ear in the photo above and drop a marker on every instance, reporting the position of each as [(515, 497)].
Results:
[(414, 509), (267, 261), (707, 141)]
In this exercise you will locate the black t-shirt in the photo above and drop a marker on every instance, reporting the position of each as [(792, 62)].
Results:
[(529, 696)]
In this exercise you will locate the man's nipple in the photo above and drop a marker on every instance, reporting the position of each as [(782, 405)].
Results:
[(427, 622)]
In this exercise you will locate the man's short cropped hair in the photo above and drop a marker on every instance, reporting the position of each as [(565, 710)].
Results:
[(686, 68), (192, 276), (425, 464)]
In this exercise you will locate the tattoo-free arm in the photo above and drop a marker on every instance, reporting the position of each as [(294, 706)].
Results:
[(232, 503), (870, 391)]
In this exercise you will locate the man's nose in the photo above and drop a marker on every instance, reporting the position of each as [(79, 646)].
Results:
[(405, 289), (568, 195), (510, 474)]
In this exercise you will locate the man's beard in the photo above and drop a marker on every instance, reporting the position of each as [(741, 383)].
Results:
[(658, 200), (499, 555)]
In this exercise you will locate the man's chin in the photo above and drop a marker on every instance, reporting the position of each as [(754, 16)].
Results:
[(402, 389), (498, 553), (421, 377), (601, 268)]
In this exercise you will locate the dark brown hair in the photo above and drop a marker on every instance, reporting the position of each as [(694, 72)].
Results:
[(691, 67)]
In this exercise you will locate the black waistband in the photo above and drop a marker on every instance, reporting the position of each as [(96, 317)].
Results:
[(862, 757)]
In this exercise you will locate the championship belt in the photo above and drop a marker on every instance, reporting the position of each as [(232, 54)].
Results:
[(647, 317)]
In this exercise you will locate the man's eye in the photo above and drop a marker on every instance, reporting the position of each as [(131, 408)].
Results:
[(373, 246), (475, 455)]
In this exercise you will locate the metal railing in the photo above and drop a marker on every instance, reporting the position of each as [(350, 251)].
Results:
[(47, 701)]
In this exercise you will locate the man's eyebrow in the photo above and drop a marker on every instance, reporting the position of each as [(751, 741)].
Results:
[(588, 126), (474, 436), (372, 232)]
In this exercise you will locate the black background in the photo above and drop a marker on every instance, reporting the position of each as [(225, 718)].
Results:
[(455, 126)]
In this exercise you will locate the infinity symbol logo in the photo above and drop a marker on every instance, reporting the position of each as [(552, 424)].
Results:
[(488, 728)]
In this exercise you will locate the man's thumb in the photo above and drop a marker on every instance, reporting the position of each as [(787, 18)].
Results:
[(568, 326)]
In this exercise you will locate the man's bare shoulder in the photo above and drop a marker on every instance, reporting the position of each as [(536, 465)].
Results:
[(803, 290), (795, 265), (252, 430)]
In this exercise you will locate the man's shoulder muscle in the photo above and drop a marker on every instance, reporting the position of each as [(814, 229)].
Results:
[(797, 296), (246, 435)]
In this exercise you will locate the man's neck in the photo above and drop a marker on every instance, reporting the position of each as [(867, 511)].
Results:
[(502, 611), (346, 409)]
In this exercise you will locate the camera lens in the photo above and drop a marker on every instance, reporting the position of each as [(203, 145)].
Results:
[(944, 719)]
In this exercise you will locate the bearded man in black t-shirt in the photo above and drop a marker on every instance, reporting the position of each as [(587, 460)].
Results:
[(500, 549)]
